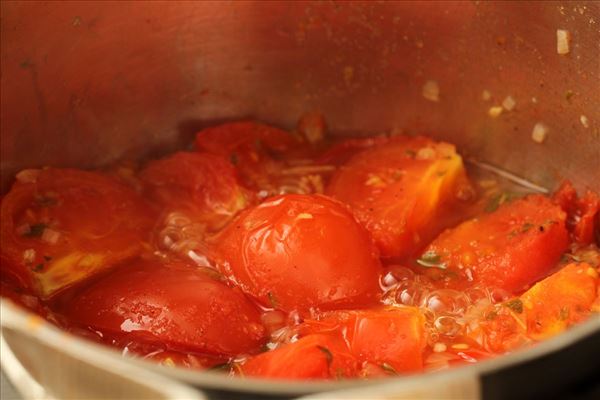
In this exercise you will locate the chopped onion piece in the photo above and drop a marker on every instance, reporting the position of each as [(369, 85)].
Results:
[(50, 236), (495, 111), (27, 175), (539, 133), (439, 347), (563, 40), (584, 121), (509, 103), (431, 91), (28, 256)]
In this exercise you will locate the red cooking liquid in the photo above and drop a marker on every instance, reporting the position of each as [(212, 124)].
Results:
[(289, 255)]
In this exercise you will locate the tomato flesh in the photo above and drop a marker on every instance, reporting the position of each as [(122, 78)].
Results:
[(399, 189), (65, 226), (509, 248), (316, 356), (560, 300)]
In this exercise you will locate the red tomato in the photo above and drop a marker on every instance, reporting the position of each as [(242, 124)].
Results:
[(253, 147), (61, 226), (508, 249), (393, 338), (562, 299), (583, 213), (300, 251), (206, 185), (399, 191), (317, 356), (177, 305)]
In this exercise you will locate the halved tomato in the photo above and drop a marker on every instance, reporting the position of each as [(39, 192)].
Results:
[(399, 191), (317, 356), (204, 185), (391, 338), (294, 252), (562, 299), (176, 305), (254, 148), (61, 226), (509, 248)]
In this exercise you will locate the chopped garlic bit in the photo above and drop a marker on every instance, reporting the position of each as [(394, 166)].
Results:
[(509, 103), (312, 126), (539, 133), (584, 121), (425, 153), (27, 176), (495, 111), (28, 256), (304, 216), (563, 40), (431, 91), (374, 180), (486, 95), (50, 236), (439, 347)]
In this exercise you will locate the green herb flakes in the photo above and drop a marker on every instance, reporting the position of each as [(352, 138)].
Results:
[(515, 304), (431, 259), (328, 354), (389, 369)]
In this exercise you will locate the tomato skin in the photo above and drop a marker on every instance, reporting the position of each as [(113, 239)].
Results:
[(173, 304), (583, 213), (391, 336), (254, 148), (205, 185), (316, 356), (509, 248), (560, 300), (399, 191), (294, 252), (96, 221)]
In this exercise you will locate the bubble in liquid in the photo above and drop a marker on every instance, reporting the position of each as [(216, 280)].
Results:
[(447, 326), (476, 294), (396, 274), (410, 293), (498, 295), (447, 301)]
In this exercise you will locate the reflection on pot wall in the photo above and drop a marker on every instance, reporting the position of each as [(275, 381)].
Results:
[(86, 83)]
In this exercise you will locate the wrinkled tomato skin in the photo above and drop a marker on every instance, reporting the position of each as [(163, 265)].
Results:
[(204, 185), (174, 305), (316, 356), (295, 252), (510, 248), (96, 221), (400, 191)]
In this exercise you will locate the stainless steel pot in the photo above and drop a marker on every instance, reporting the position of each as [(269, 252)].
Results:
[(87, 83)]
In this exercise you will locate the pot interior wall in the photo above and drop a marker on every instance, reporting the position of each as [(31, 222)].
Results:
[(87, 83)]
